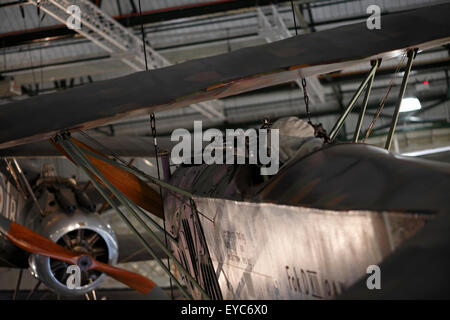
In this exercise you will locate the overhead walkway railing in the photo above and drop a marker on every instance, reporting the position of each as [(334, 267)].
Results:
[(118, 41), (79, 156)]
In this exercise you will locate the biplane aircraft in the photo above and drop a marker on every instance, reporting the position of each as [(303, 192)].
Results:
[(308, 232)]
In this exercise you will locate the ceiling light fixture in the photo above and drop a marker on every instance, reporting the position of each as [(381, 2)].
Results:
[(410, 104)]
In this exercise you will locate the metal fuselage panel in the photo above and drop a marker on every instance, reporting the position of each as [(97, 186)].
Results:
[(269, 251)]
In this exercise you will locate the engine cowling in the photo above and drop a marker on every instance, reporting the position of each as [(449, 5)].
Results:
[(82, 233), (69, 221)]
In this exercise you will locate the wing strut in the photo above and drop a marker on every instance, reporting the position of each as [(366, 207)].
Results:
[(82, 157), (352, 102), (364, 105), (411, 56)]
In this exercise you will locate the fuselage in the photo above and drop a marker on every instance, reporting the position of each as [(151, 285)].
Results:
[(312, 230)]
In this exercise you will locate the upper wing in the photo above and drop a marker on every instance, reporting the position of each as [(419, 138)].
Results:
[(220, 76)]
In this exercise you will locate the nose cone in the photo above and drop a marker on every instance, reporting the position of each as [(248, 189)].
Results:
[(84, 262)]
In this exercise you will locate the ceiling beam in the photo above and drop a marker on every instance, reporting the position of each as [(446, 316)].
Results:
[(134, 19)]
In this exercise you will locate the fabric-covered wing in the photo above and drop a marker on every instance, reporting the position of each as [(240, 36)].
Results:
[(228, 74)]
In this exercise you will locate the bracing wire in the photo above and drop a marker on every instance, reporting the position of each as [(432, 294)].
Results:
[(143, 35), (133, 167), (293, 15), (383, 100), (155, 145)]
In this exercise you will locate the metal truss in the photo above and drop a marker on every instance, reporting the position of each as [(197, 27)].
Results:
[(118, 41), (272, 28)]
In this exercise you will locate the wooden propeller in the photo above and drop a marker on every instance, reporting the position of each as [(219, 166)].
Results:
[(33, 242)]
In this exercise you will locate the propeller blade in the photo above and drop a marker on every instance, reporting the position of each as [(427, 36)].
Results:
[(131, 279), (33, 242)]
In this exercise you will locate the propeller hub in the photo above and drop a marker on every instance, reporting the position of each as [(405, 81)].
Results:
[(84, 262)]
